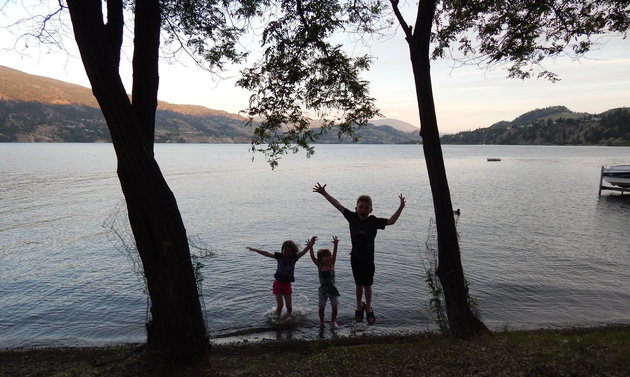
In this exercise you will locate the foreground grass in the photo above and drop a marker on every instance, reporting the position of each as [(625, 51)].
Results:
[(600, 351)]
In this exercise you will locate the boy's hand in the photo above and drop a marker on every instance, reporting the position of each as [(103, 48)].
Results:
[(322, 190), (402, 200), (319, 188), (335, 240), (392, 220)]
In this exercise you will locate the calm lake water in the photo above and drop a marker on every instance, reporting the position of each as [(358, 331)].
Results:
[(539, 247)]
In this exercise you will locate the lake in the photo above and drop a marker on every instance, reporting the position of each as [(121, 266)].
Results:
[(539, 247)]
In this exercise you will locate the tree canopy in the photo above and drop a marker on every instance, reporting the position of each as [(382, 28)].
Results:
[(523, 33), (294, 74), (302, 70)]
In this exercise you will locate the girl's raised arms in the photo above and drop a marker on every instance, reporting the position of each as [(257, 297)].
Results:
[(309, 246), (335, 241)]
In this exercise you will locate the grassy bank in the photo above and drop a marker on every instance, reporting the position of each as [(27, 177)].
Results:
[(595, 351)]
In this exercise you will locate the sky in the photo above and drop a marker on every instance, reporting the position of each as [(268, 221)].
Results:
[(466, 97)]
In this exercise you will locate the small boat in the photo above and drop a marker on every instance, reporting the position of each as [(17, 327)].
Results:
[(494, 159), (617, 175)]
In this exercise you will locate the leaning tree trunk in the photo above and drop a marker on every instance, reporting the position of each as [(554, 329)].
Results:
[(462, 322), (177, 325)]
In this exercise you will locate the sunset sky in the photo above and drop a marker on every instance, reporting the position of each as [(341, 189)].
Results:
[(466, 97)]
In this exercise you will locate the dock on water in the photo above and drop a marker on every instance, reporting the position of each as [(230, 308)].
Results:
[(609, 188)]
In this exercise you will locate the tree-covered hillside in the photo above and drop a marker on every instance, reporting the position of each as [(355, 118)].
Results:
[(553, 126)]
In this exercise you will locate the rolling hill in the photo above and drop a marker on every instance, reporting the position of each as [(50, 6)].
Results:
[(555, 125), (40, 109)]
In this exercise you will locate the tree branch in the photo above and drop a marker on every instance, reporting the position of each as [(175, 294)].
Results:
[(300, 12), (406, 28)]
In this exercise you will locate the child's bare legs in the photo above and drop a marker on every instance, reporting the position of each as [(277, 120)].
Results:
[(333, 317), (289, 304), (360, 290), (279, 305), (368, 298), (359, 294), (281, 301), (334, 304), (322, 309)]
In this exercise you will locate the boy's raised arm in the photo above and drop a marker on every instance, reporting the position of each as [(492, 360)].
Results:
[(322, 190), (392, 220), (261, 252)]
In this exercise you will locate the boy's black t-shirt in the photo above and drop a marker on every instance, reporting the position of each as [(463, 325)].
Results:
[(363, 233)]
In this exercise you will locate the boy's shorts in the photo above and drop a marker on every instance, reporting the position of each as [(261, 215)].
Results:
[(362, 271), (281, 288)]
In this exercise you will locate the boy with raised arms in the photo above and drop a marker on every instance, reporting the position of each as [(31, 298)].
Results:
[(363, 227)]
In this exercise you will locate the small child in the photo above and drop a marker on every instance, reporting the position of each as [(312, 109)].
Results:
[(325, 263), (284, 272), (363, 228)]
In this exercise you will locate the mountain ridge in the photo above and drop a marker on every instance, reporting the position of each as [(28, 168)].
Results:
[(41, 109), (23, 87)]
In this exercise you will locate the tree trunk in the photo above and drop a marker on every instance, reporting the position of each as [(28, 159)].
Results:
[(462, 322), (146, 48), (177, 325)]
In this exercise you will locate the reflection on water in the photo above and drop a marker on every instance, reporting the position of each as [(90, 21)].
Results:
[(538, 246)]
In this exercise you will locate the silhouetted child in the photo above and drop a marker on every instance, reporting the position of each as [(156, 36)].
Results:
[(284, 275), (363, 227), (325, 262)]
